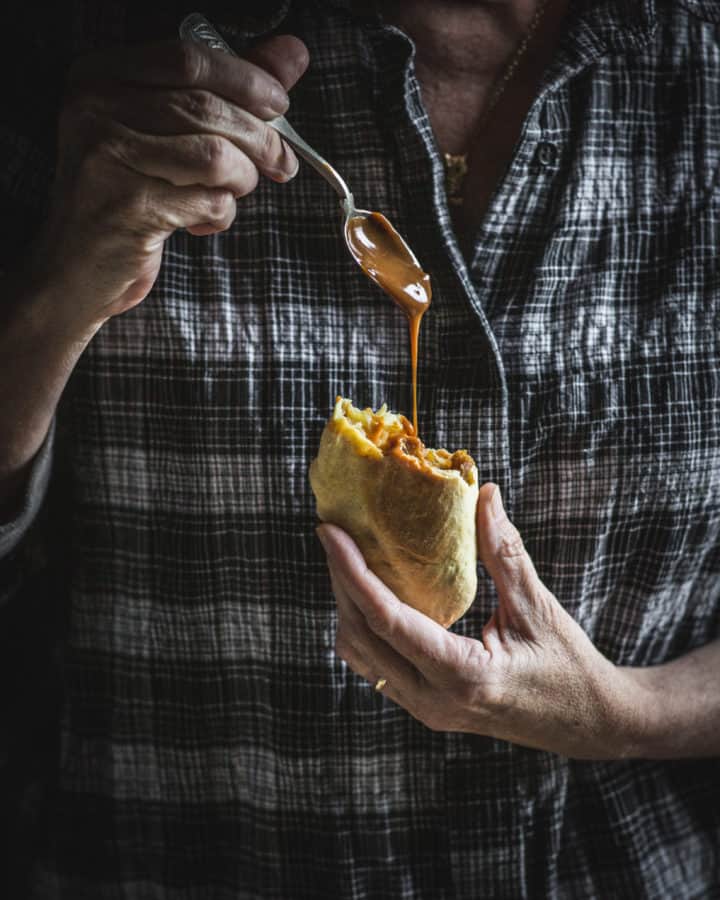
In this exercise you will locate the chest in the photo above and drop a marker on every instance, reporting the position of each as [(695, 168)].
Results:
[(574, 354)]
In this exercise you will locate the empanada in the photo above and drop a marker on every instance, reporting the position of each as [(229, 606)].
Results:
[(410, 509)]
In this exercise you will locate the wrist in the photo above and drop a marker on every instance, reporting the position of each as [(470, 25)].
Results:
[(45, 309), (59, 286), (637, 711), (41, 340)]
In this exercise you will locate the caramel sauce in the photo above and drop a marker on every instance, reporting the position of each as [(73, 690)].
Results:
[(385, 258)]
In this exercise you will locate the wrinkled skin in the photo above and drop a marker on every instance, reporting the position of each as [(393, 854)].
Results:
[(153, 139), (534, 678)]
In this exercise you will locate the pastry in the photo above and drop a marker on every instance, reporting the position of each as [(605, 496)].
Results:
[(410, 509)]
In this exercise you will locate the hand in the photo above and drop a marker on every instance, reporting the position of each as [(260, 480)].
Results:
[(153, 139), (534, 678)]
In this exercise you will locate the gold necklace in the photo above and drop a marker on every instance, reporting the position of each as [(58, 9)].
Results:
[(456, 165)]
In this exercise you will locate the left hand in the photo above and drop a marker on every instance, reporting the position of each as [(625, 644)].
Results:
[(534, 679)]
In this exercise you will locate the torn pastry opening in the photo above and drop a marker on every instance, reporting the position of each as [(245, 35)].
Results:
[(384, 433)]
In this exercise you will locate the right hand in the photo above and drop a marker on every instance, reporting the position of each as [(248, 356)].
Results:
[(153, 139)]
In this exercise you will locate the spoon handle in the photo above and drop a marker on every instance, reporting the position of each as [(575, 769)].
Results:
[(196, 27)]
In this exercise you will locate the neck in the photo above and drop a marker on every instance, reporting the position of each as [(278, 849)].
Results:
[(461, 38), (462, 51), (478, 77)]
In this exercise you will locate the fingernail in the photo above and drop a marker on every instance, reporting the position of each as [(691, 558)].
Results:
[(279, 101), (290, 168), (296, 166), (202, 229), (496, 505)]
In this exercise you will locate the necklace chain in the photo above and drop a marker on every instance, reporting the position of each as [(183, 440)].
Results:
[(456, 166)]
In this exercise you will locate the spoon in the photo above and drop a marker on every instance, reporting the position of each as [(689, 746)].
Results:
[(374, 244), (197, 28)]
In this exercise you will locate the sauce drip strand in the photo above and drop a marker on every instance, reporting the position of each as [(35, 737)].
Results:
[(385, 258)]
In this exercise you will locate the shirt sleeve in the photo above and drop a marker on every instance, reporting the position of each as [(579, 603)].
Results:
[(12, 533)]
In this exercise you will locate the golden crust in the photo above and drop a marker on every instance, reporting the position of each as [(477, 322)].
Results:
[(410, 509)]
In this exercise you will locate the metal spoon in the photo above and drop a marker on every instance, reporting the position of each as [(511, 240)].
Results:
[(374, 244)]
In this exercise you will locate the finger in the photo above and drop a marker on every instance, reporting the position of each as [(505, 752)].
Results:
[(182, 64), (284, 56), (373, 671), (155, 208), (176, 112), (367, 654), (212, 210), (182, 160), (390, 673), (503, 554), (417, 638)]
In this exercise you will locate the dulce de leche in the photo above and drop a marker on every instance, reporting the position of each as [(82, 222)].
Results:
[(385, 258)]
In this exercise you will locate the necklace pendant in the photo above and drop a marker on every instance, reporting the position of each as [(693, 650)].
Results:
[(456, 169)]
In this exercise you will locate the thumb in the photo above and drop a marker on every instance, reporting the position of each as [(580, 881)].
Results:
[(283, 55), (521, 594)]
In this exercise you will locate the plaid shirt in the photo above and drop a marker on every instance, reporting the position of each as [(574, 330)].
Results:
[(171, 601)]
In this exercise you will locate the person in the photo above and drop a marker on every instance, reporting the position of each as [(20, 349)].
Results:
[(190, 703)]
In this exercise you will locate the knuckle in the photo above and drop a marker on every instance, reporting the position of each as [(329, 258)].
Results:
[(511, 543), (227, 224), (379, 622), (216, 159), (247, 180), (270, 148), (200, 104), (218, 205), (254, 84), (223, 210), (472, 658)]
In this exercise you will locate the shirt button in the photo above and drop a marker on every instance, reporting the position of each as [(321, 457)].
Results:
[(546, 154)]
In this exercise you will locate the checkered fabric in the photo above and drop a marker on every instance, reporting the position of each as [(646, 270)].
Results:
[(179, 727)]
